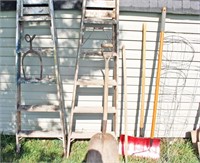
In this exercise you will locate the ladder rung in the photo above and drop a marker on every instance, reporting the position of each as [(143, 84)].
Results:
[(100, 4), (38, 108), (107, 45), (40, 134), (35, 18), (38, 10), (35, 81), (95, 82), (93, 109), (100, 21), (85, 135), (92, 53), (100, 14), (35, 2)]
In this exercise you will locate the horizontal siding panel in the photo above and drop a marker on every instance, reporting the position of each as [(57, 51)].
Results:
[(7, 22), (67, 23), (70, 14), (7, 51), (7, 32)]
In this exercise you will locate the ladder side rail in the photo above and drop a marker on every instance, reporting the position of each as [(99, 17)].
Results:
[(18, 73), (21, 7), (58, 77), (116, 60), (55, 44), (81, 33), (76, 76)]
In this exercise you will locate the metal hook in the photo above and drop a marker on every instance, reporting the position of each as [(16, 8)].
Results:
[(29, 39)]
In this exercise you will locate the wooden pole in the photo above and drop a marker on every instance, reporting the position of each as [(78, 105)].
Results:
[(125, 103), (158, 71), (143, 79)]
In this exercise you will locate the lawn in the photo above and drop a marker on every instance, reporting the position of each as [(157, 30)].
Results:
[(50, 150)]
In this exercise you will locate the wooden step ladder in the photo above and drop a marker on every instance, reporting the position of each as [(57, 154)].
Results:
[(37, 16), (101, 19)]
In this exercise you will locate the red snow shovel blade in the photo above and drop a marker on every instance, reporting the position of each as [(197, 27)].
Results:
[(141, 147)]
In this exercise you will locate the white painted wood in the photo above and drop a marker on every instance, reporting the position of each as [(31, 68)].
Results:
[(36, 10), (35, 2), (100, 4)]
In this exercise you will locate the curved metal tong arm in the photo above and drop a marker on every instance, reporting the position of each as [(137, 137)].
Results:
[(29, 39)]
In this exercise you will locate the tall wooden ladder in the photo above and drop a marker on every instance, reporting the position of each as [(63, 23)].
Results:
[(38, 16), (98, 28)]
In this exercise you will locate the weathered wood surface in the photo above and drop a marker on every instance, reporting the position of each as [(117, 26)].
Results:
[(35, 18), (36, 2), (92, 110), (105, 14), (101, 4), (36, 10), (38, 108)]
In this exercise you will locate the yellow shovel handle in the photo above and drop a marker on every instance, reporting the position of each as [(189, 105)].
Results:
[(158, 71)]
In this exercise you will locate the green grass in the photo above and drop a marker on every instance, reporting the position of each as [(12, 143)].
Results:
[(50, 150)]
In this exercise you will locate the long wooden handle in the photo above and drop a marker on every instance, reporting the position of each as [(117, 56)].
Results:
[(143, 79), (158, 71), (105, 105), (125, 102)]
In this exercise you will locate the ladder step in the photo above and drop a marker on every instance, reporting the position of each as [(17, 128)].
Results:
[(93, 109), (33, 2), (95, 82), (107, 45), (100, 4), (38, 10), (100, 21), (38, 108), (91, 53), (45, 80), (40, 134), (100, 14), (85, 135), (35, 18)]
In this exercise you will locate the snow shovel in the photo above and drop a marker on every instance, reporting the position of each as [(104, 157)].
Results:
[(103, 147), (148, 147)]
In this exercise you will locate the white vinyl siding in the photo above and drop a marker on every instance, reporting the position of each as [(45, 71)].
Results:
[(177, 111)]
